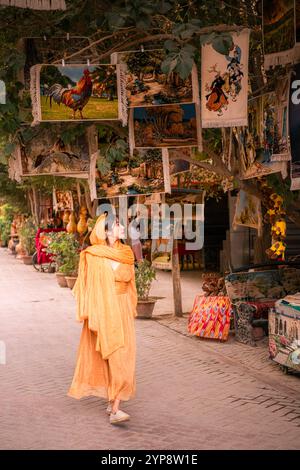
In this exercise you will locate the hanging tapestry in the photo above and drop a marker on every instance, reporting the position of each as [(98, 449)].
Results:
[(74, 92), (224, 84), (162, 244), (129, 177), (177, 164), (48, 154), (36, 4), (166, 169), (164, 126), (248, 211), (294, 124), (210, 317), (62, 200), (254, 154), (147, 85), (278, 32), (276, 111)]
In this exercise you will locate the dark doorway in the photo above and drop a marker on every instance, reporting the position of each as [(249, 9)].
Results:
[(216, 223)]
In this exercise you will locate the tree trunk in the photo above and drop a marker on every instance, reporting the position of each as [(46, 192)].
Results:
[(176, 281)]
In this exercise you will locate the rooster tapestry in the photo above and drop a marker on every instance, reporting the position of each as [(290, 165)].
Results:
[(74, 92)]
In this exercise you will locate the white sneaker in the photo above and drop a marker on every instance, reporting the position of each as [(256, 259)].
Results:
[(118, 417), (109, 409)]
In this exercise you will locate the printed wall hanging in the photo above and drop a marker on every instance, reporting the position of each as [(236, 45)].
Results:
[(147, 85), (248, 211), (48, 154), (75, 92), (131, 177), (36, 4), (177, 163), (294, 127), (279, 31), (62, 200), (255, 146), (164, 126), (276, 121), (224, 84), (162, 247)]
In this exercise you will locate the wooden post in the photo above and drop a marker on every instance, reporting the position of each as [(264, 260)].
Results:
[(176, 280)]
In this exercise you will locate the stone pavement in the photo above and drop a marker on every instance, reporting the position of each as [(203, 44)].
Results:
[(191, 394)]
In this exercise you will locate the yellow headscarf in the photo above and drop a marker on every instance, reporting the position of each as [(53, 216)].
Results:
[(95, 289)]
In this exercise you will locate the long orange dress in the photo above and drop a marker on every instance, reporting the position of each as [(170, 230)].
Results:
[(114, 377), (106, 304)]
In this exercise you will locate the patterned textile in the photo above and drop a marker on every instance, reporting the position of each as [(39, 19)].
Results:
[(262, 286), (210, 317), (224, 84)]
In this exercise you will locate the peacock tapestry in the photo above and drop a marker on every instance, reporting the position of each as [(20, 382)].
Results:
[(74, 92), (224, 83), (48, 154), (174, 125)]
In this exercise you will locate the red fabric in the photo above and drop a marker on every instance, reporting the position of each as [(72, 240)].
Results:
[(210, 317), (43, 257)]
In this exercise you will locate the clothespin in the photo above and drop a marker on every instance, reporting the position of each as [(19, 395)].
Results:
[(44, 37), (63, 62), (142, 48), (88, 62), (68, 36)]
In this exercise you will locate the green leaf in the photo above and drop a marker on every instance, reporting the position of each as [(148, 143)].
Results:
[(171, 46), (222, 44)]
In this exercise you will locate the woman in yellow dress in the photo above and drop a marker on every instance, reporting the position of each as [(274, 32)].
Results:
[(106, 299)]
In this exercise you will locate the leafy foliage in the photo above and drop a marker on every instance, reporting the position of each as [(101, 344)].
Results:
[(144, 275)]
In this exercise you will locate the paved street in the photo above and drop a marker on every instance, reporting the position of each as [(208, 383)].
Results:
[(191, 394)]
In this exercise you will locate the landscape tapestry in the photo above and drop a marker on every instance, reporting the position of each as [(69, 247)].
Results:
[(132, 177), (147, 85), (48, 154), (224, 84), (278, 31), (164, 126), (74, 92), (294, 125)]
